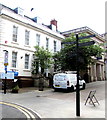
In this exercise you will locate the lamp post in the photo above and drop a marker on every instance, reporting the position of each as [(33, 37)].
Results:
[(5, 64)]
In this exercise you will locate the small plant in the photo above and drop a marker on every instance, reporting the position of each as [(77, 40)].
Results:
[(15, 89)]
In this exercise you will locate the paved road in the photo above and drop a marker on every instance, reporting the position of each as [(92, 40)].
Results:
[(50, 104), (10, 111)]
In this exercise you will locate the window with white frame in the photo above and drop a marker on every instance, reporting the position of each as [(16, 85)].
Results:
[(14, 59), (15, 33), (27, 37), (26, 61), (38, 39), (54, 46), (47, 43)]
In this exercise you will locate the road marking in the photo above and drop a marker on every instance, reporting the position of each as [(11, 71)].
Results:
[(23, 110)]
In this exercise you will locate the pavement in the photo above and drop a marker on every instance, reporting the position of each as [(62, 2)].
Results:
[(50, 104)]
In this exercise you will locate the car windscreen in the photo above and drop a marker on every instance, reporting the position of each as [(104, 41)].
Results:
[(60, 77)]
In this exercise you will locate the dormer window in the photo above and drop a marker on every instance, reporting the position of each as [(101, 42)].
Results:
[(19, 11)]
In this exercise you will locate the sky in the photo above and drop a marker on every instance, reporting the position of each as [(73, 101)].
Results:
[(70, 14)]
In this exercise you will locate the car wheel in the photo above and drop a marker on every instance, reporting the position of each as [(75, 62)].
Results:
[(83, 86), (55, 89), (72, 88)]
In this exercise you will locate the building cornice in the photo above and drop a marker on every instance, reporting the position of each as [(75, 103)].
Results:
[(20, 48), (82, 30)]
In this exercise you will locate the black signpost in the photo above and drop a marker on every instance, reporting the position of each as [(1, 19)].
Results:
[(77, 87), (5, 64), (77, 66)]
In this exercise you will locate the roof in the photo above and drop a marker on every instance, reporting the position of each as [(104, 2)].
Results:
[(81, 30), (31, 22)]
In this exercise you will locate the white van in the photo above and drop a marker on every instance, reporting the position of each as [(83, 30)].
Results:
[(67, 81)]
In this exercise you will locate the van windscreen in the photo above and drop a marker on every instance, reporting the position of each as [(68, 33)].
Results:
[(60, 77)]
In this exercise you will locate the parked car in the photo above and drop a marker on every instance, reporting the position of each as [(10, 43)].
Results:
[(67, 81)]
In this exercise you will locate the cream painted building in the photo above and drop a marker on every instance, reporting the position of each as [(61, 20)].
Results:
[(19, 34), (105, 37), (97, 70)]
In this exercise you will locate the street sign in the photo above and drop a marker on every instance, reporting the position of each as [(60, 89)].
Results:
[(6, 58), (5, 68), (86, 43), (81, 44), (86, 37), (7, 75), (74, 42), (5, 64), (98, 58), (77, 59)]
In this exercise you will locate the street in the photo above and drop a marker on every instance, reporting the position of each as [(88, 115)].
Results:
[(10, 110), (50, 104)]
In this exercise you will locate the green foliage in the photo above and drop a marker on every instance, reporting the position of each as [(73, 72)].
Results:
[(43, 57), (15, 88), (66, 58)]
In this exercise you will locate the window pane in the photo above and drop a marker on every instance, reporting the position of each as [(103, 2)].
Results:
[(38, 39), (26, 37), (54, 46), (26, 61), (14, 59), (47, 43), (15, 31)]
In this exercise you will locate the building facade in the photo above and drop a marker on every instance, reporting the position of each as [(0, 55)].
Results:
[(19, 34), (105, 59), (106, 55), (97, 70)]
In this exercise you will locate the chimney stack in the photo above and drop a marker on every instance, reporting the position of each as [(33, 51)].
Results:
[(54, 22)]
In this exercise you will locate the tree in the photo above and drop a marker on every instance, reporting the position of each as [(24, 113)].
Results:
[(66, 58), (42, 58)]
